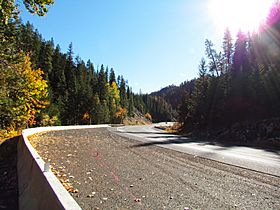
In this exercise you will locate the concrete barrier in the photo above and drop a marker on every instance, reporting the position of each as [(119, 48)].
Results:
[(39, 189)]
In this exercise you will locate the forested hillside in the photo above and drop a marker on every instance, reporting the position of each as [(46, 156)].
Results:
[(78, 92), (41, 85), (175, 95), (240, 83), (237, 88)]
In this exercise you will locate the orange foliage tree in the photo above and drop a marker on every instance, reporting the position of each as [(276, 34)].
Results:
[(148, 116), (120, 114)]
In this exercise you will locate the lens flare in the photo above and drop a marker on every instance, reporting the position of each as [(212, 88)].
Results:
[(244, 15)]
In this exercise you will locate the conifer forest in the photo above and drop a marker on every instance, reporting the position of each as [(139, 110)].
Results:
[(40, 85)]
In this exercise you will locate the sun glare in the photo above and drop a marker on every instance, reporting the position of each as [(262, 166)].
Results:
[(245, 15)]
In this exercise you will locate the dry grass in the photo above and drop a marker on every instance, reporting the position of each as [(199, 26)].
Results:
[(136, 121)]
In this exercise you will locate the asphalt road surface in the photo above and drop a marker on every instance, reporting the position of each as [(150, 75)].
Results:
[(114, 172), (249, 158)]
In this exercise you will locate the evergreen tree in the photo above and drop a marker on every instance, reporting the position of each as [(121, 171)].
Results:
[(212, 55), (92, 75), (102, 84), (57, 77), (69, 100), (123, 96), (130, 102), (202, 68), (112, 77), (45, 59), (107, 74), (227, 51), (119, 80), (240, 56)]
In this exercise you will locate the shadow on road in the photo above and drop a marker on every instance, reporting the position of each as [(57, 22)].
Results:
[(176, 139), (141, 132), (172, 140)]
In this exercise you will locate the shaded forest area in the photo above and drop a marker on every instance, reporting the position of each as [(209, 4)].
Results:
[(237, 94), (41, 85)]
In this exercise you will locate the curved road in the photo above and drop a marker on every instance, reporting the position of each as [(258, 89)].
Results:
[(108, 171), (245, 157)]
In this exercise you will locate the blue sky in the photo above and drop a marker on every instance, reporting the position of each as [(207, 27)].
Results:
[(152, 43)]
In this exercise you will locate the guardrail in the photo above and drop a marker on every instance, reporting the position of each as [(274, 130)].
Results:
[(38, 187)]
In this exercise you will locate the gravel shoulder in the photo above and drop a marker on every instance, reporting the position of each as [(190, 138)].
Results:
[(105, 171)]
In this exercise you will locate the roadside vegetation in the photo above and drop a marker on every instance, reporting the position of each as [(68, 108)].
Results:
[(41, 85)]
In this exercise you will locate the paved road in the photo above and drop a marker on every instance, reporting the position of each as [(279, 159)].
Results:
[(250, 158), (113, 172)]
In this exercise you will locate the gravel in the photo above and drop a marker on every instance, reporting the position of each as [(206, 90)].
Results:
[(104, 171)]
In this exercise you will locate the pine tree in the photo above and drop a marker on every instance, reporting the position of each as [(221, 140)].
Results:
[(93, 75), (123, 96), (240, 56), (97, 111), (227, 51), (130, 102), (107, 74), (119, 81), (45, 59), (112, 77), (102, 84), (202, 68), (57, 77), (69, 100), (212, 55)]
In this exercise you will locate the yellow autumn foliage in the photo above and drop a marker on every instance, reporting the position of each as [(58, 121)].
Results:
[(31, 94), (114, 92), (23, 95)]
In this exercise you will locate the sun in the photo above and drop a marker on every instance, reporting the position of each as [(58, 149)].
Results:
[(244, 15)]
